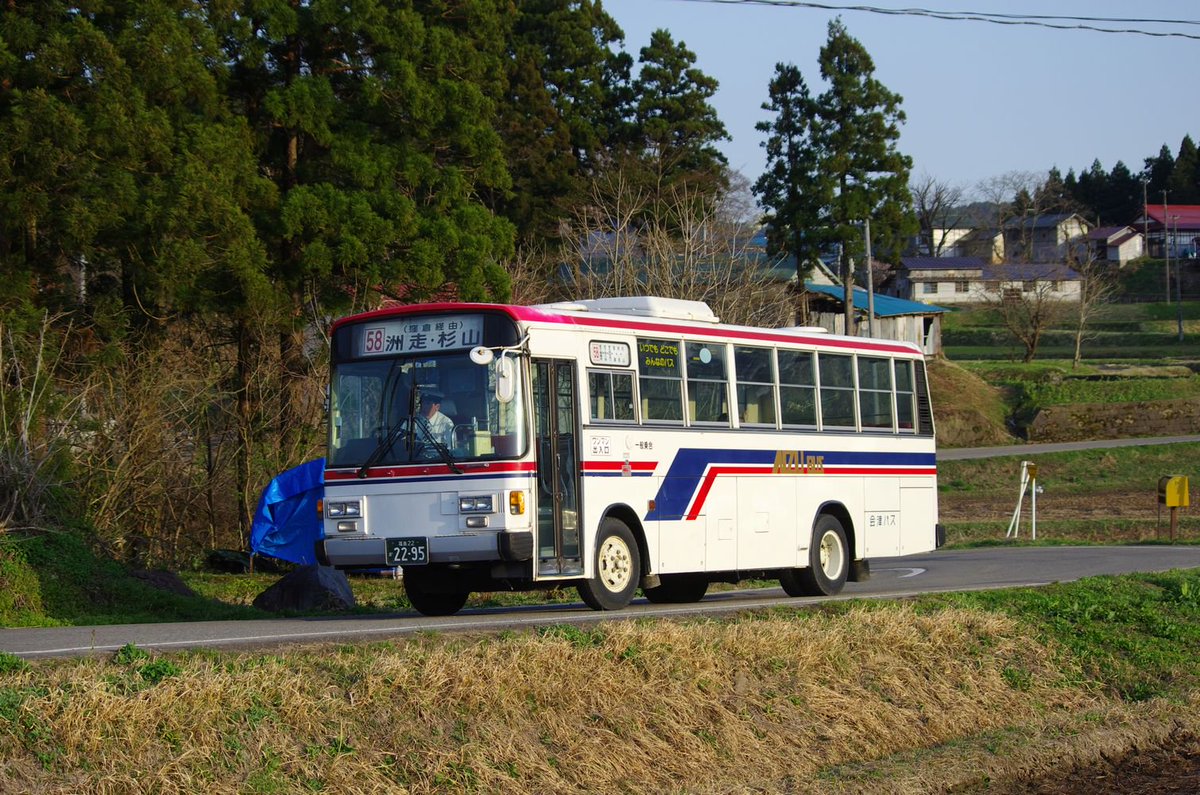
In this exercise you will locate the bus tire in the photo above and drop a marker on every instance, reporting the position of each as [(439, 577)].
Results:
[(828, 562), (678, 589), (618, 568), (428, 602)]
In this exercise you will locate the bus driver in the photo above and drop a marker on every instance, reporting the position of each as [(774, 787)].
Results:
[(439, 425)]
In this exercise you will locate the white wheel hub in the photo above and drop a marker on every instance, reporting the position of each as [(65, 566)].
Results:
[(832, 555), (614, 564)]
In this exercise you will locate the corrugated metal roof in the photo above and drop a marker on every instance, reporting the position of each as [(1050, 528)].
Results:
[(885, 305), (1029, 271)]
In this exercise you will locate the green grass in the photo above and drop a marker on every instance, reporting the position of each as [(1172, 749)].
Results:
[(1137, 635), (1117, 469)]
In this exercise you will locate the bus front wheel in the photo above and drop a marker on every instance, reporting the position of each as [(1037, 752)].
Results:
[(617, 569), (428, 601), (828, 562)]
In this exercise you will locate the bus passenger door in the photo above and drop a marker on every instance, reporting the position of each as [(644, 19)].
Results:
[(557, 439)]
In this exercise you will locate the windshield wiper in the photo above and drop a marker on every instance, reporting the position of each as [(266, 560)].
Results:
[(446, 455), (393, 434)]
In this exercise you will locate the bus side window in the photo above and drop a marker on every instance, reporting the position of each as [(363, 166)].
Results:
[(875, 393), (797, 389), (610, 396), (708, 389), (905, 397), (755, 369), (837, 391), (660, 380)]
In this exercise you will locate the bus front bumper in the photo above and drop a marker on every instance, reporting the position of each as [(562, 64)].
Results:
[(463, 548)]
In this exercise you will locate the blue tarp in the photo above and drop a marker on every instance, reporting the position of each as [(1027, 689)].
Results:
[(286, 524)]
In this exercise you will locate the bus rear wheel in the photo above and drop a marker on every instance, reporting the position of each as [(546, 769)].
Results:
[(617, 570), (828, 562), (678, 589), (429, 601)]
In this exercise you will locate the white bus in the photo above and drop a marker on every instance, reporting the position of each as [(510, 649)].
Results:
[(620, 443)]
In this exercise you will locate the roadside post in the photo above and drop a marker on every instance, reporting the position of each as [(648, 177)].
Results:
[(1028, 483), (1173, 493)]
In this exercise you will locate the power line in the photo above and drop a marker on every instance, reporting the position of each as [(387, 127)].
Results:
[(1030, 20)]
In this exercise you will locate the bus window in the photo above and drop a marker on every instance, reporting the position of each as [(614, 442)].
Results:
[(837, 391), (875, 392), (905, 397), (756, 385), (659, 380), (797, 389), (611, 396), (708, 392)]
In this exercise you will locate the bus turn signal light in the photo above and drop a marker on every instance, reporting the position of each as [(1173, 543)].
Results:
[(516, 503)]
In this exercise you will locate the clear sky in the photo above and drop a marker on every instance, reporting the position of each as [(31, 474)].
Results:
[(981, 99)]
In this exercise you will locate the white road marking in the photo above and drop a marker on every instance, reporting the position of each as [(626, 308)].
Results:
[(913, 572)]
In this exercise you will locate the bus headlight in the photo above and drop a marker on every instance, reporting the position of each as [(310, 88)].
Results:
[(336, 510), (482, 504)]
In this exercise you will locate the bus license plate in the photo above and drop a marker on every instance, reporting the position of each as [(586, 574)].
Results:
[(407, 551)]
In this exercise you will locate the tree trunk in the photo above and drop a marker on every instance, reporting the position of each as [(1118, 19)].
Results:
[(245, 427)]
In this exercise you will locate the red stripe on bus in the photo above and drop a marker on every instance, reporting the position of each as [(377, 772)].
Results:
[(710, 477), (425, 470)]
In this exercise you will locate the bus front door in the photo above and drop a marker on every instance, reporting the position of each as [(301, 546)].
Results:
[(558, 467)]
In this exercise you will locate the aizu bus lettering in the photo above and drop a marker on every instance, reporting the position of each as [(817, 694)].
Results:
[(796, 462)]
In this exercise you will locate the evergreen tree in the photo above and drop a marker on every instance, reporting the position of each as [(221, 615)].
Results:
[(1182, 186), (790, 189), (1158, 173), (677, 128), (856, 136), (1123, 199), (565, 107)]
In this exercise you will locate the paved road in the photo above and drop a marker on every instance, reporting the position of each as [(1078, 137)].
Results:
[(957, 454), (953, 570)]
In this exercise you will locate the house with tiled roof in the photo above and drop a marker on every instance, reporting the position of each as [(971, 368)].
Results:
[(1176, 225), (1116, 244)]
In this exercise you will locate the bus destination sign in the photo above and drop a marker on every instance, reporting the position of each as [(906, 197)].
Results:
[(421, 335), (609, 354)]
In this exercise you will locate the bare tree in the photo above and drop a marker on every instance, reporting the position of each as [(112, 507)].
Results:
[(1028, 309), (939, 208), (674, 245), (1097, 286)]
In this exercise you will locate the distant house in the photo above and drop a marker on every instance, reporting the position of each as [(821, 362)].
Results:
[(1172, 229), (970, 280), (1118, 244), (942, 241), (895, 318), (1043, 238), (985, 244)]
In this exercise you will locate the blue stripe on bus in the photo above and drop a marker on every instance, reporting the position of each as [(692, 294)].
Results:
[(687, 471)]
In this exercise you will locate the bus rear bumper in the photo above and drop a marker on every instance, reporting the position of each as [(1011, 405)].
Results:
[(465, 548)]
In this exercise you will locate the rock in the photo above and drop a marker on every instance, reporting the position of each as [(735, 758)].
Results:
[(164, 581), (308, 588)]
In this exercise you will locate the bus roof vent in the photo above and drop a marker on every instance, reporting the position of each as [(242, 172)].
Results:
[(644, 306), (806, 329)]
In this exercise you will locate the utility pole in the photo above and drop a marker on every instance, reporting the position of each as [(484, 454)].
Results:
[(1178, 282), (870, 284), (1166, 249)]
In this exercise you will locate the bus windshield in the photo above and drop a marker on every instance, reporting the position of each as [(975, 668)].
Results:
[(420, 409)]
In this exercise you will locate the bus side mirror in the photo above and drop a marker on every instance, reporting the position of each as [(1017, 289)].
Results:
[(506, 379)]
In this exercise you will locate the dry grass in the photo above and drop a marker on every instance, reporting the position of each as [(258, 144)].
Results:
[(764, 703)]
